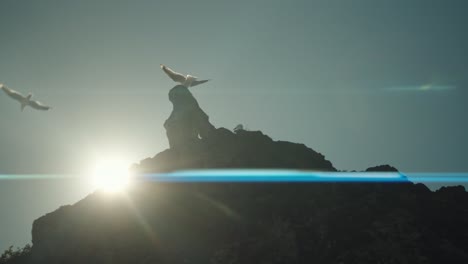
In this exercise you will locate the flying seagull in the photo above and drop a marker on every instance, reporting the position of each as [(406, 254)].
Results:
[(24, 100), (185, 80)]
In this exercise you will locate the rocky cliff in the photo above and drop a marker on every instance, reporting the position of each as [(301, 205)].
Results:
[(259, 223), (253, 222)]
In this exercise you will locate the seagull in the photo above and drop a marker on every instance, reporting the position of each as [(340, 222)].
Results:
[(238, 128), (185, 80), (24, 100)]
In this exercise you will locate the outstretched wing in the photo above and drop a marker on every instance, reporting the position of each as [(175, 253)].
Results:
[(37, 105), (175, 76), (12, 93), (196, 82)]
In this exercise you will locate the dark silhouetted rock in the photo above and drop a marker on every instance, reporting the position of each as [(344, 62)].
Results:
[(258, 223), (244, 149), (241, 223), (382, 168), (187, 122), (196, 144)]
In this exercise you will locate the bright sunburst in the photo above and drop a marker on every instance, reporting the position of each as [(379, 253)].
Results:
[(111, 175)]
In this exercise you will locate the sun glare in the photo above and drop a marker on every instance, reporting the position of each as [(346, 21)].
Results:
[(111, 175)]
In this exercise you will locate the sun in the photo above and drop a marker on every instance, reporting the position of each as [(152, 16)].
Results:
[(111, 175)]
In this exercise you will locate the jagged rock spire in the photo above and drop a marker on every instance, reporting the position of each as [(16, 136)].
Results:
[(188, 123)]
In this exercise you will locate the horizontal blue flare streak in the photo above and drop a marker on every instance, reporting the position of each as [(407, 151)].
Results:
[(301, 176), (271, 176)]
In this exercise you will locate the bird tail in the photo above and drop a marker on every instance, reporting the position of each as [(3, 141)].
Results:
[(197, 82), (22, 107)]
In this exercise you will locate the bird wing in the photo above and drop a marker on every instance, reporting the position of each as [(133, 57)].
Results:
[(196, 82), (13, 94), (38, 105), (175, 76)]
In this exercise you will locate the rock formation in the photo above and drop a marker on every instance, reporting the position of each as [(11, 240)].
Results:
[(187, 123), (196, 144), (242, 223), (259, 223)]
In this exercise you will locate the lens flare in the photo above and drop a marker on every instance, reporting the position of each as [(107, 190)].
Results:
[(111, 175)]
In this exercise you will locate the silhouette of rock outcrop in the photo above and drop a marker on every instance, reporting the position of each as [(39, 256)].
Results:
[(382, 168), (196, 144), (259, 223), (187, 122), (251, 222), (244, 149)]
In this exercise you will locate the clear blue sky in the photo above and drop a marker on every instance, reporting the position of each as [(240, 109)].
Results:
[(363, 82)]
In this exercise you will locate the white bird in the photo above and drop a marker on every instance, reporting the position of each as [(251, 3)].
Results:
[(24, 100), (238, 128), (185, 80)]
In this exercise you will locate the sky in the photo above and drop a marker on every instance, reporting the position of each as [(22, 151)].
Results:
[(363, 82)]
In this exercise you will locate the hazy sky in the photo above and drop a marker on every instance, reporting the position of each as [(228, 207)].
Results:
[(363, 82)]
